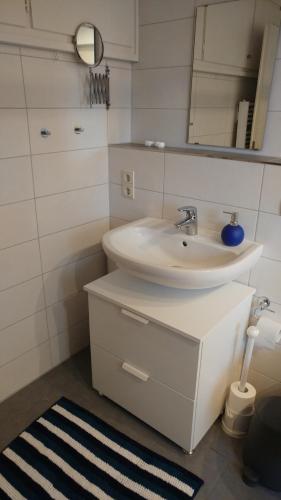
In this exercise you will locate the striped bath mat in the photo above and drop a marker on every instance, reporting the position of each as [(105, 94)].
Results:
[(70, 453)]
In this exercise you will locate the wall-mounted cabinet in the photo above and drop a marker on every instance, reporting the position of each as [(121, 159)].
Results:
[(13, 13), (231, 34), (235, 49), (52, 24)]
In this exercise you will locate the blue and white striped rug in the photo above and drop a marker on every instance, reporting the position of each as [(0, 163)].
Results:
[(68, 453)]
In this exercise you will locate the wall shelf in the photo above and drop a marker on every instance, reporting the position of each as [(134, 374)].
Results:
[(208, 153)]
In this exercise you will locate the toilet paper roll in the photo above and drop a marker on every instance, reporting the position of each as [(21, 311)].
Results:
[(270, 333), (241, 402)]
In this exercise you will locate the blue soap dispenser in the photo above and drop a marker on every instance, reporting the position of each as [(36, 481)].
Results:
[(232, 234)]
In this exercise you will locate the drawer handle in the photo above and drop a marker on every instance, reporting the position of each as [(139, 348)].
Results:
[(131, 315), (135, 372)]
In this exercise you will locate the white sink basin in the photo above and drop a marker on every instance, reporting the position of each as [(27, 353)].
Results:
[(154, 250)]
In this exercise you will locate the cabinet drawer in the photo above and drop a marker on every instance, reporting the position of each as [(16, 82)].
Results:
[(167, 357), (165, 410)]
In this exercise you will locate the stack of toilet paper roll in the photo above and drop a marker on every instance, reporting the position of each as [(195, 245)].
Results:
[(240, 406), (239, 409), (270, 333)]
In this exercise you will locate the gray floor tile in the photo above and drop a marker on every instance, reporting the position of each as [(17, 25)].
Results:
[(231, 487), (216, 460)]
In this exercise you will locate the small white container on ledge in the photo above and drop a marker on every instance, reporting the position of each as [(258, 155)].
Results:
[(160, 144)]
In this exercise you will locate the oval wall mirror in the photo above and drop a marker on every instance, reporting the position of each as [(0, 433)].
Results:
[(88, 44)]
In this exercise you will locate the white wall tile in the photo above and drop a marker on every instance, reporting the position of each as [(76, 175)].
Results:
[(168, 125), (266, 278), (25, 369), (153, 11), (11, 82), (75, 165), (119, 125), (15, 180), (73, 244), (166, 44), (272, 143), (115, 222), (224, 181), (51, 83), (210, 215), (269, 233), (244, 278), (161, 88), (267, 361), (271, 193), (146, 203), (69, 342), (147, 165), (70, 279), (61, 124), (14, 139), (21, 301), (62, 211), (66, 313), (22, 336), (17, 223), (58, 172), (264, 385), (120, 87), (19, 263)]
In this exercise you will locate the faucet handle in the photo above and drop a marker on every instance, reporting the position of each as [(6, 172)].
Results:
[(189, 210)]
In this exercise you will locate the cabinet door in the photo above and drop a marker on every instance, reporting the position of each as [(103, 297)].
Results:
[(228, 33), (266, 13), (116, 20), (122, 19), (268, 56), (63, 16), (13, 12)]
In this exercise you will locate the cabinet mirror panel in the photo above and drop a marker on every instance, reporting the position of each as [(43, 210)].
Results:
[(235, 48)]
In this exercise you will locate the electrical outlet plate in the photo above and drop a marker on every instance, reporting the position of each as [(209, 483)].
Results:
[(127, 176), (128, 183), (128, 191)]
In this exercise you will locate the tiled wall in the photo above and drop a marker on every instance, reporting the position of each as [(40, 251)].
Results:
[(166, 181), (162, 78), (54, 205)]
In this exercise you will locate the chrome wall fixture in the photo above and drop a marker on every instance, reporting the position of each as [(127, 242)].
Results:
[(45, 133), (99, 87), (79, 130), (89, 48)]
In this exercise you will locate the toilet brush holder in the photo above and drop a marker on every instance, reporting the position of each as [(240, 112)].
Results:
[(239, 407), (239, 410)]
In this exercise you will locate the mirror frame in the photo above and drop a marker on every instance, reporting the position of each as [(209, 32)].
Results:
[(89, 25)]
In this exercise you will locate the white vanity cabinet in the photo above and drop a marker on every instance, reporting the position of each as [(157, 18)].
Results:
[(167, 355)]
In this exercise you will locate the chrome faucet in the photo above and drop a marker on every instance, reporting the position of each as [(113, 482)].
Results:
[(190, 222)]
